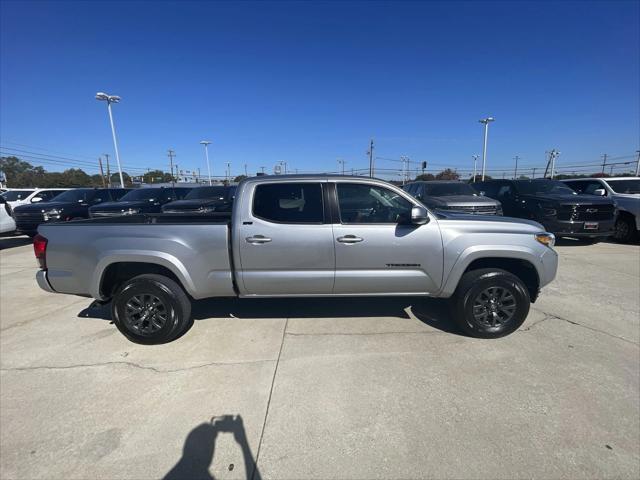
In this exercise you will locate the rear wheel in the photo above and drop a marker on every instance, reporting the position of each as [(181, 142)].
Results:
[(624, 229), (151, 309), (490, 303)]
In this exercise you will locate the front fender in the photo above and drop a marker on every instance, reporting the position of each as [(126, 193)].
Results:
[(476, 252), (140, 256)]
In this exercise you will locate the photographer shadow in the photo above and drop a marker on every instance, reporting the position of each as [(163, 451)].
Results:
[(199, 449)]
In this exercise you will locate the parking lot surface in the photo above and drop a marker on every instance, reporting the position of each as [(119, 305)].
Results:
[(326, 388)]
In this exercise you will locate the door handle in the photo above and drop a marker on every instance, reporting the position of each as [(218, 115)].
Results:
[(349, 239), (258, 239)]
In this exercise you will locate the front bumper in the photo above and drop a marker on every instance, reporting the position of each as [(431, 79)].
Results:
[(562, 228), (43, 281)]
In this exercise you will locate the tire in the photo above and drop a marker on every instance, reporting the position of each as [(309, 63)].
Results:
[(151, 309), (624, 229), (475, 290)]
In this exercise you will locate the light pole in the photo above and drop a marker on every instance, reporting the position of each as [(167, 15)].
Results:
[(486, 122), (112, 99), (206, 144), (341, 162), (475, 167), (515, 170)]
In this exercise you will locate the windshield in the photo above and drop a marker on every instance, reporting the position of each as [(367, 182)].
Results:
[(544, 186), (447, 189), (625, 186), (213, 193), (142, 194), (77, 195), (13, 195)]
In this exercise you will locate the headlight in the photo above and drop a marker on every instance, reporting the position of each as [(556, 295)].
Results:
[(131, 211), (548, 239), (53, 214)]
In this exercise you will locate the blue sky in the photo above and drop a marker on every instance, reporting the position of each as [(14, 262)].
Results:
[(310, 82)]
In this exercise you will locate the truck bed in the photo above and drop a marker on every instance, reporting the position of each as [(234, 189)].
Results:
[(194, 248)]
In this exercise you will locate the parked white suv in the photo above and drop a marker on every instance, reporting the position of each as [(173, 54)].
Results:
[(22, 196), (625, 192), (7, 223)]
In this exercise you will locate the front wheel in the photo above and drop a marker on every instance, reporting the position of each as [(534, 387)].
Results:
[(490, 303), (624, 229), (151, 309)]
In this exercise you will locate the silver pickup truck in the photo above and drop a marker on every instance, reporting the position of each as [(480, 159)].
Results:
[(300, 235)]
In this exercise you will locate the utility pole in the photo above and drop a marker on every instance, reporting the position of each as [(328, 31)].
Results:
[(177, 174), (515, 171), (108, 171), (262, 169), (101, 172), (341, 162), (604, 161), (370, 152), (553, 154), (245, 170), (171, 154), (475, 165), (638, 164), (228, 172), (534, 173)]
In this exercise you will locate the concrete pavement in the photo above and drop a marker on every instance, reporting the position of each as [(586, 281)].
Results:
[(349, 388)]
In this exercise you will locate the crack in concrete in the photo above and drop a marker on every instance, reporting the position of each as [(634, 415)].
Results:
[(550, 316), (132, 364)]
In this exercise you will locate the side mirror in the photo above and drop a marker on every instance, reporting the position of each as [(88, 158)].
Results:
[(36, 199), (419, 215), (601, 192), (482, 194)]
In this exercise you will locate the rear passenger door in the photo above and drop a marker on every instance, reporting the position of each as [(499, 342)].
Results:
[(285, 240)]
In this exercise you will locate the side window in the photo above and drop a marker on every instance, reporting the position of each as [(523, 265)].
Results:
[(591, 187), (289, 202), (361, 203), (167, 195), (504, 192), (117, 193)]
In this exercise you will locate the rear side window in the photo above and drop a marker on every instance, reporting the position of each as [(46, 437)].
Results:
[(289, 202), (117, 193), (490, 189)]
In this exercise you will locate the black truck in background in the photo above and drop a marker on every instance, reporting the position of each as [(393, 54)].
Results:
[(560, 209), (203, 200)]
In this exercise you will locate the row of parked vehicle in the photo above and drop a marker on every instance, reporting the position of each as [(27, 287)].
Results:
[(25, 209), (589, 208)]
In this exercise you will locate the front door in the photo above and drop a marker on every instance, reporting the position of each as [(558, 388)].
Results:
[(378, 251), (286, 240)]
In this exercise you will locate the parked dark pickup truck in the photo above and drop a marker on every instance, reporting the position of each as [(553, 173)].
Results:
[(73, 204), (560, 209), (203, 200), (453, 196), (140, 200)]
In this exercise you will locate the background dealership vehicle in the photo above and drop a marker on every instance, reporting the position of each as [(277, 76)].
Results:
[(72, 204), (625, 192), (561, 210), (300, 236), (207, 199), (24, 196), (140, 200), (7, 224), (453, 196)]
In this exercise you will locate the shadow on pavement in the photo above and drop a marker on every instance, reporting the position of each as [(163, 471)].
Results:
[(12, 242), (432, 312), (199, 450)]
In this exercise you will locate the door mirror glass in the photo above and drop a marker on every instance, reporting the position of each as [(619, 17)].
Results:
[(419, 215), (600, 192), (36, 199)]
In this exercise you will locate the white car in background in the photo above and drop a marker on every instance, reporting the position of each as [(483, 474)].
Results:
[(625, 192), (22, 196), (7, 224)]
